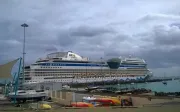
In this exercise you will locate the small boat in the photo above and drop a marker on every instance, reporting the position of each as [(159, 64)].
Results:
[(165, 83), (66, 87), (132, 83), (23, 95), (40, 105), (2, 98), (92, 88), (45, 106)]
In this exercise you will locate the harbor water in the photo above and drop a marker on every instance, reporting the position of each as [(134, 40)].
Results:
[(172, 86)]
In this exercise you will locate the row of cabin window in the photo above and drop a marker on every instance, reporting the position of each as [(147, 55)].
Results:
[(51, 67), (47, 81), (48, 64), (92, 76), (51, 80), (56, 64), (85, 73), (62, 80), (91, 66), (89, 70), (81, 75), (85, 69), (88, 73)]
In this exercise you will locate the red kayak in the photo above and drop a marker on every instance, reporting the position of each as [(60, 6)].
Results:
[(105, 101)]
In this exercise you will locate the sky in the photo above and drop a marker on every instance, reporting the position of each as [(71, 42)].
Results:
[(149, 29)]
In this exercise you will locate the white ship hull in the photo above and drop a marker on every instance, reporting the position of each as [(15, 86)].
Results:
[(62, 67)]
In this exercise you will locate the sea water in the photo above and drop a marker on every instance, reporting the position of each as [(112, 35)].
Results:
[(172, 86)]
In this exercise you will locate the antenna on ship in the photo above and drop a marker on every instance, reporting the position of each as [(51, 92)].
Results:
[(24, 25)]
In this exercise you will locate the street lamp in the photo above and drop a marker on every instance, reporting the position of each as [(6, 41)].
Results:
[(24, 25), (101, 69)]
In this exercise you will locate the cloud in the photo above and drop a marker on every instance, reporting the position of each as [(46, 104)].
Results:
[(161, 35), (87, 31), (147, 29), (164, 46), (51, 49), (167, 36), (159, 17)]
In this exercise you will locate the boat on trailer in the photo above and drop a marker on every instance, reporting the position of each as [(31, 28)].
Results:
[(24, 95)]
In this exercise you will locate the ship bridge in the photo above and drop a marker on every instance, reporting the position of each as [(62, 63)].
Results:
[(133, 60)]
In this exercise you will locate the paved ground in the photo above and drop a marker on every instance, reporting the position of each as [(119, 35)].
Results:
[(6, 106), (144, 109)]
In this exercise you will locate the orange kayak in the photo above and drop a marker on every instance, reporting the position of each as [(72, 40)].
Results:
[(81, 104)]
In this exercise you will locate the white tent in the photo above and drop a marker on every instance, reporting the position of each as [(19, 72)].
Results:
[(5, 69)]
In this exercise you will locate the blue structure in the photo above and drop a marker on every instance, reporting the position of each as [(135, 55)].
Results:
[(17, 80)]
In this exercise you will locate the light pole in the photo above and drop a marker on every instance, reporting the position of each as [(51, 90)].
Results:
[(24, 25), (101, 69), (86, 75)]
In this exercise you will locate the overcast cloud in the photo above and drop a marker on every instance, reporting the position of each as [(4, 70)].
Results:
[(149, 29)]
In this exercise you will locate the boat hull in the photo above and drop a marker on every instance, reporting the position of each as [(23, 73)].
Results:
[(28, 95)]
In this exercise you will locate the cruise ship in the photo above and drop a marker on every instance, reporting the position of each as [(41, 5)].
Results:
[(69, 67)]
